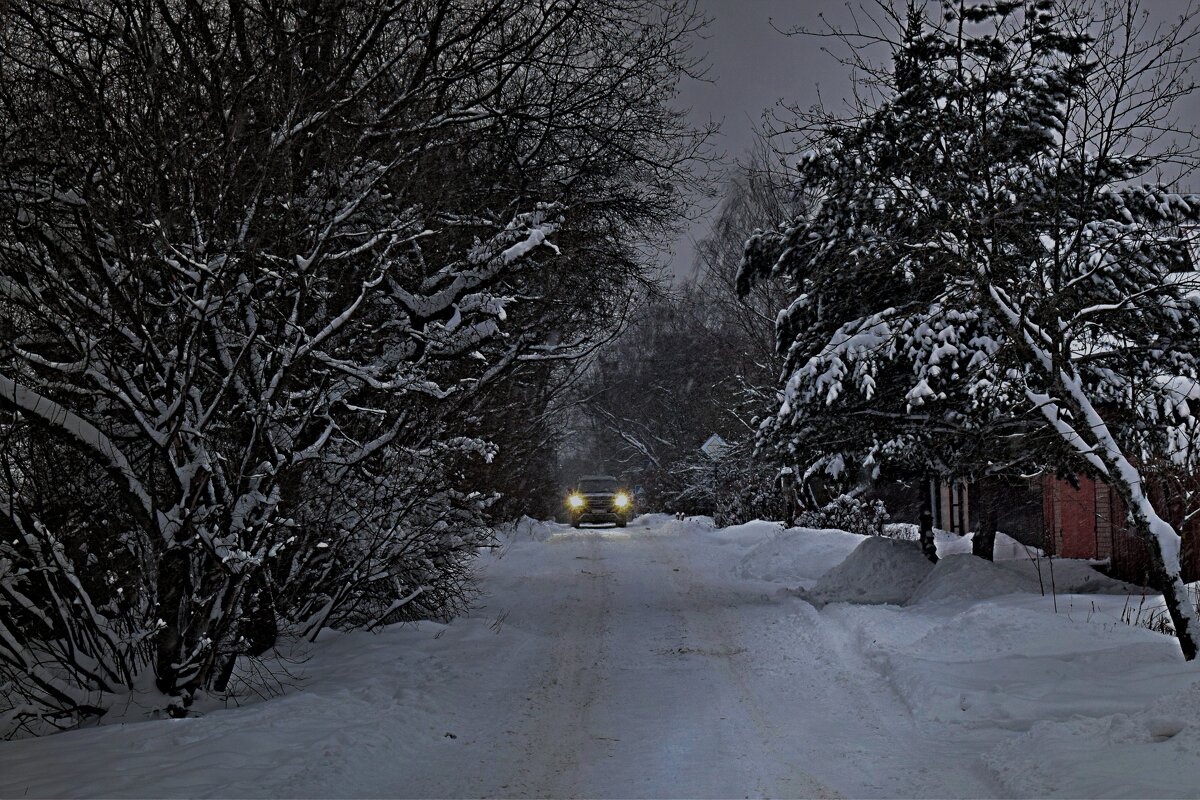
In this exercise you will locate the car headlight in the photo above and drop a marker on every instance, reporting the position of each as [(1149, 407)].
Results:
[(575, 501), (621, 500)]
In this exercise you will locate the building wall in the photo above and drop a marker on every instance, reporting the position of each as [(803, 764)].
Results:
[(1104, 519), (952, 506), (956, 507), (1019, 511), (1089, 521), (1079, 518)]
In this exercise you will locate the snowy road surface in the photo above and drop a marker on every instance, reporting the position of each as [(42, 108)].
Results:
[(666, 660)]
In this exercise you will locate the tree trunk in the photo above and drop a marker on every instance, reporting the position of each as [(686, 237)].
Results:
[(1085, 431), (174, 595), (255, 632), (928, 545), (786, 483), (1130, 485), (1164, 579), (983, 543)]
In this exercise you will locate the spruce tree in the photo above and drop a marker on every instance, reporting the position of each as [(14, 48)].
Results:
[(976, 272)]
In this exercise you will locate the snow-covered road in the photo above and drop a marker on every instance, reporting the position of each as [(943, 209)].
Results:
[(664, 660), (646, 687), (666, 676)]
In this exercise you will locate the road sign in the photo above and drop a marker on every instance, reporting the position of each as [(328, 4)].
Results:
[(715, 447)]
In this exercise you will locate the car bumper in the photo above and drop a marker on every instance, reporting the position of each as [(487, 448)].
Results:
[(600, 516)]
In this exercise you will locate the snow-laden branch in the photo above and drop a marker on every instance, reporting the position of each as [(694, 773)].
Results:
[(66, 422)]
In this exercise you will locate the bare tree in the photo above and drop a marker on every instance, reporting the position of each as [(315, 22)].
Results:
[(267, 264)]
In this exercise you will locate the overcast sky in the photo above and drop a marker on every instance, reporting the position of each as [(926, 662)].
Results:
[(752, 66)]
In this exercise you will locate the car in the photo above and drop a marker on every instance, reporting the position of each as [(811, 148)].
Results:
[(599, 498)]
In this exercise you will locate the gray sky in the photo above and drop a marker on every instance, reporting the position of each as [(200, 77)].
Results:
[(753, 66)]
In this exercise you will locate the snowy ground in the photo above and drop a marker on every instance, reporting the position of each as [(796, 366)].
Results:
[(674, 659)]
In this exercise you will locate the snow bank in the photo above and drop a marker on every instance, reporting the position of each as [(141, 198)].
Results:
[(387, 699), (797, 555), (668, 525), (885, 571), (1007, 548), (966, 577), (879, 570), (1004, 665), (528, 528), (653, 520), (1070, 576), (1109, 756), (748, 534)]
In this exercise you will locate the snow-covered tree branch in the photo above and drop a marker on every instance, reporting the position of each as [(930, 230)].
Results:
[(266, 268)]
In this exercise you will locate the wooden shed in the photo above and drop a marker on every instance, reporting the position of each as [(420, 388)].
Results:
[(1088, 520), (1018, 507)]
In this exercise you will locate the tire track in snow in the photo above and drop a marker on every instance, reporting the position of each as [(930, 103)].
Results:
[(657, 673), (712, 624), (555, 726)]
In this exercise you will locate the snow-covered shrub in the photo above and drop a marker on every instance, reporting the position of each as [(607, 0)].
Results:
[(383, 544), (735, 489), (905, 531), (847, 513), (756, 497), (269, 323), (75, 623)]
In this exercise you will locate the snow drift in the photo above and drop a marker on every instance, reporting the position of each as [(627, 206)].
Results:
[(967, 577), (797, 554), (879, 570)]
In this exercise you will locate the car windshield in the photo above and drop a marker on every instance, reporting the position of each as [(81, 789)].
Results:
[(597, 485)]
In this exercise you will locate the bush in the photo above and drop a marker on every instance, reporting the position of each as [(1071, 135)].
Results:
[(734, 490), (848, 513)]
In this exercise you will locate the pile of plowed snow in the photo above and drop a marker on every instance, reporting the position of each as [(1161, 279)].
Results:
[(658, 524), (880, 570), (528, 528), (967, 577), (1068, 576), (748, 534), (797, 555)]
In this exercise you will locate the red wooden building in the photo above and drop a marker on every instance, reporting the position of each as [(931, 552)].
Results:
[(1090, 522)]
